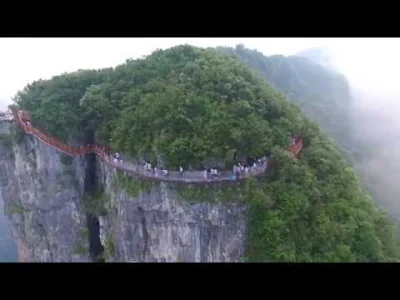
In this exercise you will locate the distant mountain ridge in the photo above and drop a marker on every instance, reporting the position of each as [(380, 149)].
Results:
[(320, 91), (321, 56)]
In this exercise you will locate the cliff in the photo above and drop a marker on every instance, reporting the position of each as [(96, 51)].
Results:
[(43, 192), (154, 224), (182, 107)]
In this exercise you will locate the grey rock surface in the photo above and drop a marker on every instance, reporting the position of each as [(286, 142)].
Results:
[(43, 189), (159, 227)]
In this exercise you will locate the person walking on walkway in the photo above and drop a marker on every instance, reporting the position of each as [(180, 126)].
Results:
[(234, 175)]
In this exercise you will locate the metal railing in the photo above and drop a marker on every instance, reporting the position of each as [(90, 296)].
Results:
[(190, 176)]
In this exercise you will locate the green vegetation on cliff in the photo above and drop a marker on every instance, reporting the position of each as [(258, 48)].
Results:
[(15, 208), (189, 104), (5, 139), (81, 243), (109, 248), (54, 103), (133, 186), (97, 203), (321, 92)]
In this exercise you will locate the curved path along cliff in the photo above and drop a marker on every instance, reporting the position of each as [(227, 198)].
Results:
[(137, 170)]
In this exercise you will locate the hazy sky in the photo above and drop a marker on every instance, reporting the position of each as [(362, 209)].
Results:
[(368, 62)]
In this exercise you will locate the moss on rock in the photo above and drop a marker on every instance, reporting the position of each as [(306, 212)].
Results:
[(97, 203), (109, 247), (81, 244), (132, 185), (16, 208)]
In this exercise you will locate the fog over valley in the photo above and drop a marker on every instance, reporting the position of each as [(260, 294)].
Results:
[(376, 127)]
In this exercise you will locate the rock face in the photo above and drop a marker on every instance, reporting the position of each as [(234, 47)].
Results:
[(8, 247), (43, 194), (158, 226), (41, 190)]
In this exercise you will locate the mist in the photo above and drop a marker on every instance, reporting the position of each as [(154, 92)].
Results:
[(376, 132), (24, 60), (372, 70)]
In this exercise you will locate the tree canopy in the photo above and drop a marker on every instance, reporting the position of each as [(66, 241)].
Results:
[(321, 92), (189, 104)]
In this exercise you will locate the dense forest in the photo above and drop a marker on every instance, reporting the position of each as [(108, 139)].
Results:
[(188, 104), (321, 92)]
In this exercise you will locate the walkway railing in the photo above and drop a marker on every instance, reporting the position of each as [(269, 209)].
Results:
[(141, 171)]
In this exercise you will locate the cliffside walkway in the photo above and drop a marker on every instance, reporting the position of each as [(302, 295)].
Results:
[(196, 176)]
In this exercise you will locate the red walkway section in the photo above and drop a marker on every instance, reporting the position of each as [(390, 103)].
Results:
[(23, 119), (297, 146)]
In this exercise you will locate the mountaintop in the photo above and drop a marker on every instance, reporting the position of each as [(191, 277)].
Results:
[(186, 105)]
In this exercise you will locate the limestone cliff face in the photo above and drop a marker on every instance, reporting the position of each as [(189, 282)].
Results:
[(41, 190), (43, 193), (159, 226)]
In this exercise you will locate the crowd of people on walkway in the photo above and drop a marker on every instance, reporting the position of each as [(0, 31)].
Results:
[(240, 169), (117, 158)]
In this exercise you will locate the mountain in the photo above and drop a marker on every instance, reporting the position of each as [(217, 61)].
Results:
[(365, 132), (195, 108), (321, 92)]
